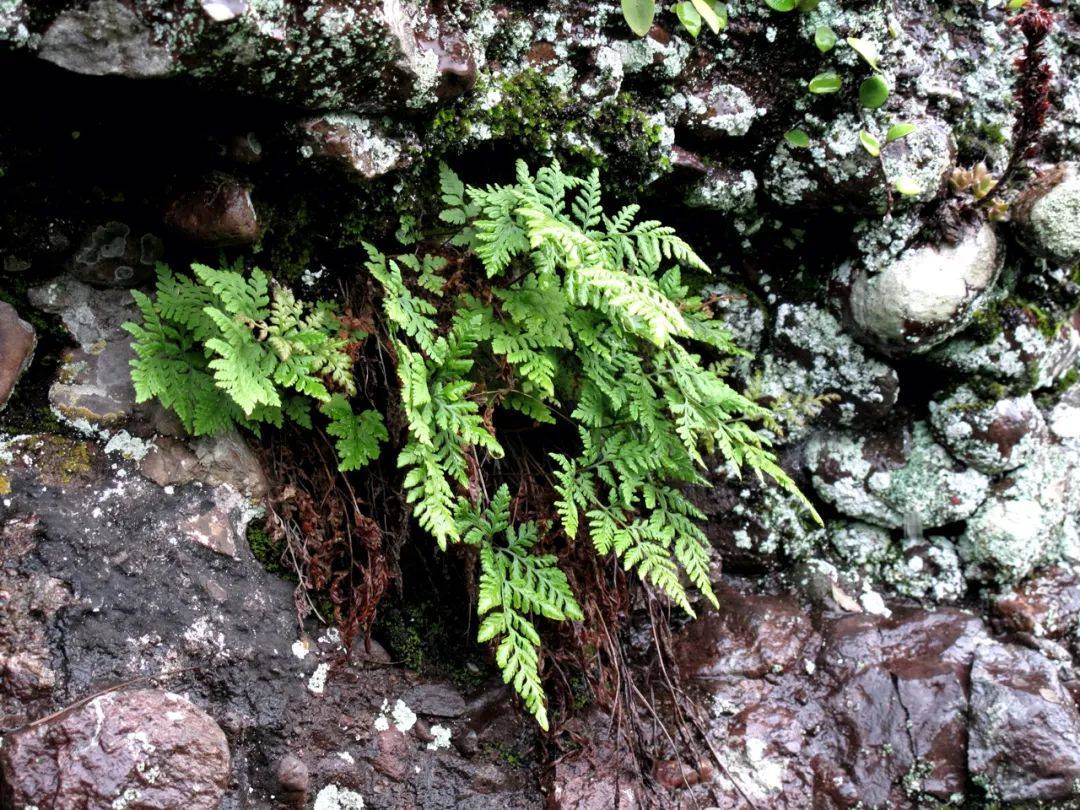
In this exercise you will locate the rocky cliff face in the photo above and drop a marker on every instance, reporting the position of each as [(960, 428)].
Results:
[(917, 650)]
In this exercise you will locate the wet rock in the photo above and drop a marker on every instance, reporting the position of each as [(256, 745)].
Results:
[(112, 256), (881, 477), (1045, 604), (143, 748), (106, 38), (924, 297), (750, 636), (601, 775), (436, 700), (1024, 354), (1048, 215), (992, 437), (28, 602), (810, 356), (1024, 740), (357, 146), (17, 342), (217, 212)]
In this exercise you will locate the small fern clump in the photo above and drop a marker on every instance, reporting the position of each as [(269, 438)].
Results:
[(587, 314), (569, 317), (222, 349)]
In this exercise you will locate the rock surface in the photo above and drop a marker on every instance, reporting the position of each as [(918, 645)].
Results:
[(139, 748), (17, 342)]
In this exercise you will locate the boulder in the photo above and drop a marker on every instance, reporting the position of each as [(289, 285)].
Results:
[(925, 296), (17, 342), (107, 38), (881, 477), (810, 357), (217, 212), (1048, 215), (141, 748), (993, 436), (1024, 739), (355, 145)]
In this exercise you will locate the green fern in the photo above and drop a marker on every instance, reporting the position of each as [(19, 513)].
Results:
[(582, 315), (223, 349)]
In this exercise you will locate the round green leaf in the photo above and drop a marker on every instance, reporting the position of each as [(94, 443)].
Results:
[(898, 131), (797, 138), (824, 38), (873, 92), (689, 17), (782, 5), (808, 5), (908, 187), (823, 83), (870, 143), (866, 49), (639, 15)]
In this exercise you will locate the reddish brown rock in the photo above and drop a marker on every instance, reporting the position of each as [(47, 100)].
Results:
[(749, 635), (142, 748), (217, 212), (1025, 729), (17, 342), (1047, 603)]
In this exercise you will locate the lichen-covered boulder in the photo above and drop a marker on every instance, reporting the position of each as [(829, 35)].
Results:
[(925, 296), (918, 567), (1026, 353), (17, 342), (990, 436), (140, 748), (883, 477), (1048, 215), (811, 357), (1032, 517), (836, 170), (355, 145)]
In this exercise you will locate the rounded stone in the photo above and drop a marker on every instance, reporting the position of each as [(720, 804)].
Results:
[(141, 748), (990, 436), (924, 297), (1049, 215), (293, 775)]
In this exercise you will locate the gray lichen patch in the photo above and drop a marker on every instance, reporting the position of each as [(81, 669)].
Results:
[(882, 478), (991, 436)]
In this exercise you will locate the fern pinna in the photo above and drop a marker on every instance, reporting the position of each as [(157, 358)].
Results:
[(574, 314)]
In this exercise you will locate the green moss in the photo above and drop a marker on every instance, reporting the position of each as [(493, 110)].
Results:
[(268, 551), (426, 638), (540, 120), (58, 459)]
